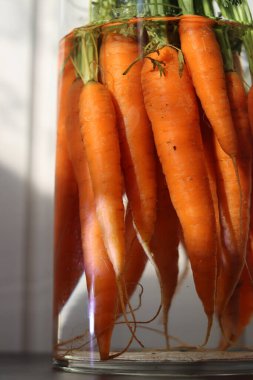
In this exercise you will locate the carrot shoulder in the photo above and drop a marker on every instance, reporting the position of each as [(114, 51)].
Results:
[(100, 276), (172, 108), (117, 53), (199, 44)]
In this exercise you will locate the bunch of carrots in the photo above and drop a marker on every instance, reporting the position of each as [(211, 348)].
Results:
[(155, 147)]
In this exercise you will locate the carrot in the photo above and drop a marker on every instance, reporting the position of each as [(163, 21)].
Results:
[(100, 140), (100, 276), (239, 310), (68, 263), (172, 108), (135, 256), (117, 53), (245, 310), (199, 44), (250, 107), (98, 128), (164, 246), (234, 209)]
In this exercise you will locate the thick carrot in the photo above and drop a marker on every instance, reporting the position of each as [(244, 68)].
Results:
[(199, 44), (117, 53), (164, 246), (100, 276), (172, 108), (68, 263), (250, 107), (234, 205)]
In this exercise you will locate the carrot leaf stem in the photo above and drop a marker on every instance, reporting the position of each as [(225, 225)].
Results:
[(85, 55), (204, 8), (226, 51), (187, 6), (101, 10), (240, 12)]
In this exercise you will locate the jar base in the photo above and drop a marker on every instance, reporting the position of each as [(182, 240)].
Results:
[(161, 363)]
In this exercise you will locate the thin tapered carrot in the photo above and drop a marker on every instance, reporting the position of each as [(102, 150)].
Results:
[(234, 207), (172, 108), (68, 263), (203, 57), (250, 107), (208, 142), (100, 139), (239, 310), (164, 246), (136, 258), (100, 276), (117, 53), (245, 312)]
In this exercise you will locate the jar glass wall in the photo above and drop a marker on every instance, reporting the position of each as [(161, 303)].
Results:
[(153, 231)]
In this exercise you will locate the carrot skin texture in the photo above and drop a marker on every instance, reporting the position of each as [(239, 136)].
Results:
[(199, 44), (164, 246), (68, 263), (100, 138), (100, 276), (136, 141), (172, 108), (250, 107), (235, 207)]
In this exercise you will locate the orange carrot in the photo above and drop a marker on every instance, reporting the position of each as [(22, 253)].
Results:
[(98, 128), (117, 53), (68, 264), (164, 246), (204, 59), (100, 138), (245, 311), (100, 276), (172, 108), (250, 107), (135, 257), (234, 209), (239, 310)]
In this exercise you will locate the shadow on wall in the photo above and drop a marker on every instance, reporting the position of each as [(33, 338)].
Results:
[(26, 241)]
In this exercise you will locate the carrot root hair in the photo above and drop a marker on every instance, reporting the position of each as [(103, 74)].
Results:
[(123, 299)]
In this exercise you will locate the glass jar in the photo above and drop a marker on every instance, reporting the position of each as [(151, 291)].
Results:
[(153, 230)]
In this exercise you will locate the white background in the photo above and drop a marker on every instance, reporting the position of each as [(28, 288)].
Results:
[(29, 32)]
